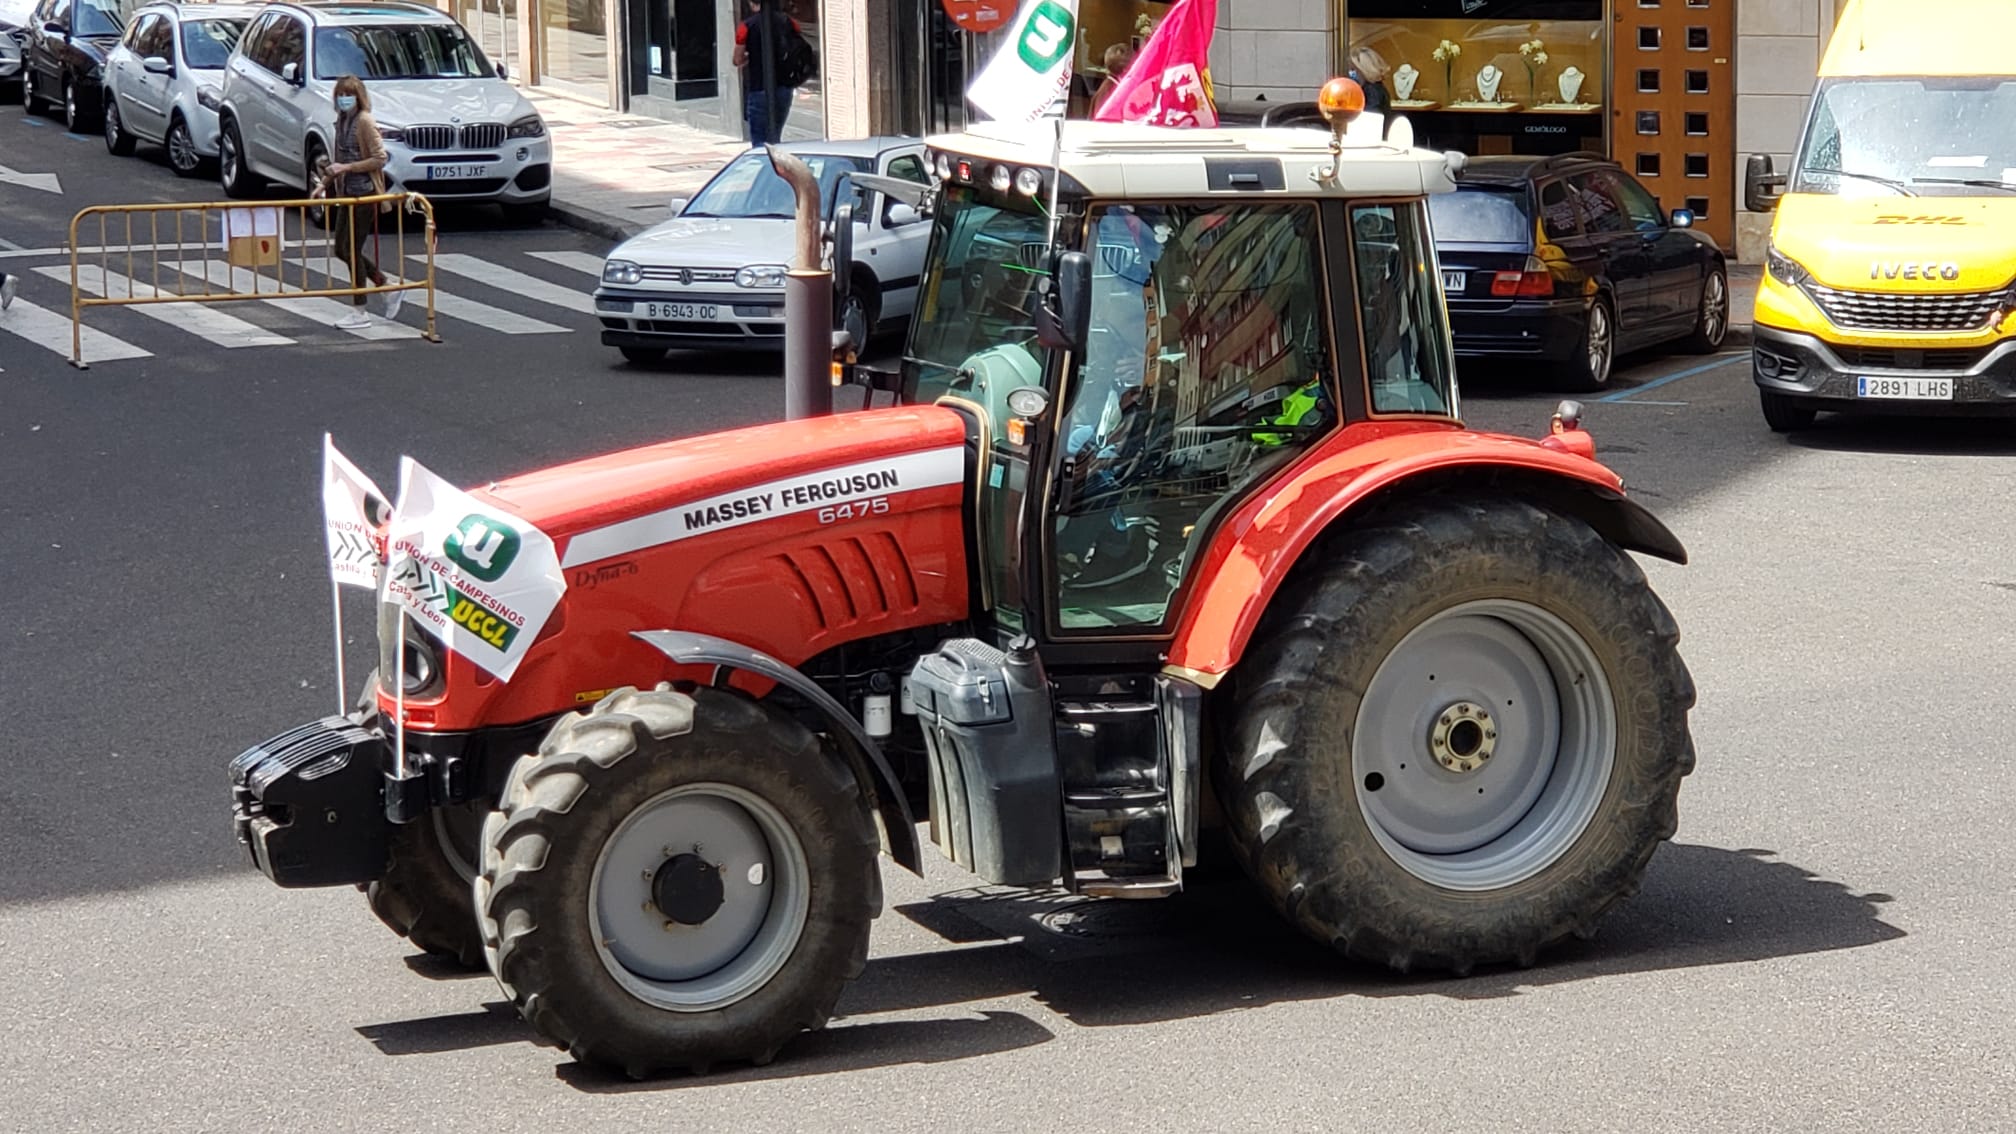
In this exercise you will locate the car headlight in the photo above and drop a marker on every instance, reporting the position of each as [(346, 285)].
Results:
[(1784, 268), (761, 275), (621, 272), (207, 99), (527, 127), (392, 133)]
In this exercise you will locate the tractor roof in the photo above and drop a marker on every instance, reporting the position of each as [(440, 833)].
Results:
[(1112, 159)]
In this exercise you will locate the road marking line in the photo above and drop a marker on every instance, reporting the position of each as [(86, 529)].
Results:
[(314, 308), (515, 282), (204, 322), (1626, 395), (51, 331), (482, 314), (579, 261)]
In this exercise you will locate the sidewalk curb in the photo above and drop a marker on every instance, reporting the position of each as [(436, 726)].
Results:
[(593, 221)]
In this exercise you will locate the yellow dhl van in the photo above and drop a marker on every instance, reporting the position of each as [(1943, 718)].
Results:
[(1890, 281)]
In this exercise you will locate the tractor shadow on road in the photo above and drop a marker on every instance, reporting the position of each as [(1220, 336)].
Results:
[(1220, 948)]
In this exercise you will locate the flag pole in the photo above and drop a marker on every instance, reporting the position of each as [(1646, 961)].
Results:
[(336, 614), (1056, 177)]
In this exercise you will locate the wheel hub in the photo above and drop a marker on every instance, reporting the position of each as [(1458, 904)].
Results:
[(687, 889), (1463, 738)]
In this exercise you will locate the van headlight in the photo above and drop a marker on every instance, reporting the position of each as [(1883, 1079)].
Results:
[(527, 127), (1784, 268), (762, 275), (621, 272)]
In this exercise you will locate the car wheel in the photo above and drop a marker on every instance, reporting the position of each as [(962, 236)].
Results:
[(1711, 318), (238, 181), (1784, 414), (316, 170), (182, 155), (118, 142), (861, 313), (30, 100), (77, 114), (1589, 367)]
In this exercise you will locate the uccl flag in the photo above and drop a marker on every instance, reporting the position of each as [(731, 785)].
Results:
[(481, 581), (1033, 68), (1169, 83)]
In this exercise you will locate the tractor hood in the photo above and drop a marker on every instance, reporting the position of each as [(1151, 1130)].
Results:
[(1901, 244), (610, 506)]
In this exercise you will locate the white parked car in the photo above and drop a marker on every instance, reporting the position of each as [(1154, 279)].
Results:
[(713, 275), (453, 127), (14, 17), (156, 80)]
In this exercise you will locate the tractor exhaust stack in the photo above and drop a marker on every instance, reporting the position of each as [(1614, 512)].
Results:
[(808, 302)]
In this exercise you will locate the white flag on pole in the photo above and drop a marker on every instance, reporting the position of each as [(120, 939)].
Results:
[(480, 580), (352, 511), (1032, 71)]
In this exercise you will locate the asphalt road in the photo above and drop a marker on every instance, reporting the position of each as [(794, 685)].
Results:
[(1820, 948)]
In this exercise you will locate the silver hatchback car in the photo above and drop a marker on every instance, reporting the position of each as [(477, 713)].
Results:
[(161, 82)]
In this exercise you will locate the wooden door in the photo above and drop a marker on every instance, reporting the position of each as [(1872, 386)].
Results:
[(1673, 105)]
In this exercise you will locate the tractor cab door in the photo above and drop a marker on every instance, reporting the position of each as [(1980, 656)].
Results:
[(1211, 365)]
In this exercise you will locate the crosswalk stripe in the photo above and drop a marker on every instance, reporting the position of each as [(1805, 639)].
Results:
[(482, 314), (51, 331), (315, 308), (205, 322), (579, 261), (513, 281)]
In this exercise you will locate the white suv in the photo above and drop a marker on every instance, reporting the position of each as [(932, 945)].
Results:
[(453, 127)]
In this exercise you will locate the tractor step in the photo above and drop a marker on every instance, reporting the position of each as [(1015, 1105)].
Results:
[(1131, 887)]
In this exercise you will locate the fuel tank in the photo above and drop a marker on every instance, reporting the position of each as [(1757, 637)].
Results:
[(792, 538)]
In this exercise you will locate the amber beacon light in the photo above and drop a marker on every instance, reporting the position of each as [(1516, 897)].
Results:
[(1341, 100)]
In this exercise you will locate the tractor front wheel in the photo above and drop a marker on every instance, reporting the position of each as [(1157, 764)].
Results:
[(424, 895), (1459, 737), (675, 881)]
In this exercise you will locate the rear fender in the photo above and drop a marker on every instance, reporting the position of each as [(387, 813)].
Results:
[(1260, 544), (871, 768)]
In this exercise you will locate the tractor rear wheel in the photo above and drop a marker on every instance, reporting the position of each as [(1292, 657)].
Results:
[(1459, 736), (675, 881)]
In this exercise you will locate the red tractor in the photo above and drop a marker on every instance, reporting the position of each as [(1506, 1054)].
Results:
[(1173, 525)]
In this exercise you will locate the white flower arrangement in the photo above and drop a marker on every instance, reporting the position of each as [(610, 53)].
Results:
[(1534, 54), (1446, 54)]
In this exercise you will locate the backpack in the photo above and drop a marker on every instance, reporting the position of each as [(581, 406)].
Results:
[(798, 63)]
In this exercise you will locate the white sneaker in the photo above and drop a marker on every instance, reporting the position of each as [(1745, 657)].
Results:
[(7, 287), (357, 320), (393, 301)]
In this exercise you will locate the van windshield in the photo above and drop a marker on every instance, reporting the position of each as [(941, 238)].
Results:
[(1910, 137)]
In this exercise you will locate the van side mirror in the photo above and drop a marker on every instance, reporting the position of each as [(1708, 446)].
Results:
[(901, 215), (1064, 304), (678, 204), (156, 65), (291, 73), (1761, 186)]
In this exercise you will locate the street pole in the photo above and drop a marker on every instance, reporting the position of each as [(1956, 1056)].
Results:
[(808, 301), (768, 24)]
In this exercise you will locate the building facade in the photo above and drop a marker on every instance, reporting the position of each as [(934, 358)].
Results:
[(1680, 92)]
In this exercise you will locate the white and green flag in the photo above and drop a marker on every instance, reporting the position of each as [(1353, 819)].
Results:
[(1032, 71), (482, 581), (352, 512)]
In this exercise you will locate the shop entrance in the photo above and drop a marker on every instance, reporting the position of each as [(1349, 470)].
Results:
[(1674, 122), (675, 49)]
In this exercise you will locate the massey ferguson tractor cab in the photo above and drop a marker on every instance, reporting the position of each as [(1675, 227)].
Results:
[(1173, 525)]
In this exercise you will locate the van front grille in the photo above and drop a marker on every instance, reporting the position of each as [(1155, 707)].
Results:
[(1886, 311)]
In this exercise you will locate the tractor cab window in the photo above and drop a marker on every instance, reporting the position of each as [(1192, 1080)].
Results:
[(1208, 369), (974, 337), (1407, 354)]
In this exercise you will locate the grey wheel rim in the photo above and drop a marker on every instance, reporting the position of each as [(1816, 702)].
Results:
[(1599, 343), (1714, 308), (227, 152), (764, 898), (1484, 745), (111, 124), (70, 105), (181, 147), (854, 319)]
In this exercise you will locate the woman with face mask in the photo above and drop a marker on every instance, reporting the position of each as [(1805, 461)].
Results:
[(358, 172)]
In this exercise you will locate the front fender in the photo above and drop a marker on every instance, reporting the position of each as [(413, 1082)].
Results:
[(870, 766), (1253, 552)]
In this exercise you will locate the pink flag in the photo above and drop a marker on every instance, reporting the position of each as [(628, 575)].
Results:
[(1170, 81)]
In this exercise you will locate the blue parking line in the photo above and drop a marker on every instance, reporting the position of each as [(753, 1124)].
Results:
[(1625, 395)]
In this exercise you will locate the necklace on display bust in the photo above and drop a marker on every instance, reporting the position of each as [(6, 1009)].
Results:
[(1570, 84), (1487, 83), (1404, 80)]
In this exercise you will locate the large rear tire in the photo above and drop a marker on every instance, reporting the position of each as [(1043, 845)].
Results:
[(1459, 736), (675, 881)]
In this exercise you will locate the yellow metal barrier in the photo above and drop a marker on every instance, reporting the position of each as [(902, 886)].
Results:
[(232, 250)]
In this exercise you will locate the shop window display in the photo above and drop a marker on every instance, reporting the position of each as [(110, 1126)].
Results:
[(1496, 76)]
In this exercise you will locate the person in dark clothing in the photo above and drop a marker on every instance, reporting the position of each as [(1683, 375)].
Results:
[(763, 112), (1368, 70)]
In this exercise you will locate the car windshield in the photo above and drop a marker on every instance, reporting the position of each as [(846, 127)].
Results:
[(1911, 136), (207, 44), (1477, 214), (398, 51), (748, 187), (98, 17), (978, 291)]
